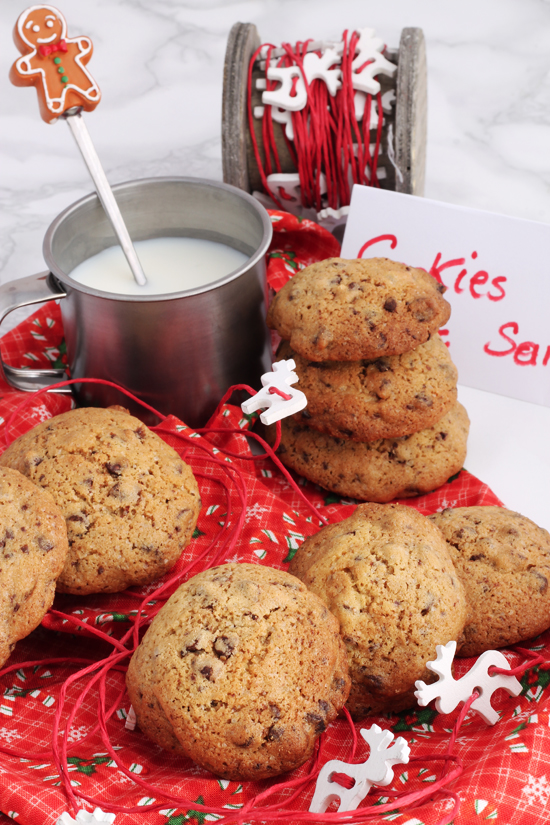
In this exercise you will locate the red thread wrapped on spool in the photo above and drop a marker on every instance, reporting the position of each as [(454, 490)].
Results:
[(303, 123)]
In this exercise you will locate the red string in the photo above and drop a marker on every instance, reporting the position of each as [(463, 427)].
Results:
[(277, 391), (328, 140)]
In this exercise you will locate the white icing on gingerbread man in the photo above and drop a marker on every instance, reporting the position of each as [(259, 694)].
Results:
[(53, 62)]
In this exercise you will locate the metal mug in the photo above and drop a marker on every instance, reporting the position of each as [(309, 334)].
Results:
[(179, 352)]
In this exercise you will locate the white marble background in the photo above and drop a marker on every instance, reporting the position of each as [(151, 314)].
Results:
[(159, 64)]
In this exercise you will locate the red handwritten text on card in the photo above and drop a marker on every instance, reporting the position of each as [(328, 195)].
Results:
[(524, 354), (476, 282), (391, 238)]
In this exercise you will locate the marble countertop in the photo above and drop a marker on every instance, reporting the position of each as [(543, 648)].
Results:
[(160, 68)]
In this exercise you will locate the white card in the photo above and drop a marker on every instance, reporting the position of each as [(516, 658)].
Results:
[(497, 273)]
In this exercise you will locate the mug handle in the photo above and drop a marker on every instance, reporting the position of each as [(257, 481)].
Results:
[(35, 289)]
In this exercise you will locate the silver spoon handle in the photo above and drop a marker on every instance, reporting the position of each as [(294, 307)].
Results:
[(104, 191)]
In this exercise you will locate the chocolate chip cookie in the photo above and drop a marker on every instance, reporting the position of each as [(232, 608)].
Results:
[(33, 549), (377, 470), (387, 575), (130, 502), (344, 310), (241, 670), (386, 398), (503, 561)]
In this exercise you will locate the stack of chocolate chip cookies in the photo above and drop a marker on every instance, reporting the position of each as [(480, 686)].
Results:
[(382, 419)]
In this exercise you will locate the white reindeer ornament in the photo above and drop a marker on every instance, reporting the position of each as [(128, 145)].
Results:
[(277, 396), (448, 692), (377, 770)]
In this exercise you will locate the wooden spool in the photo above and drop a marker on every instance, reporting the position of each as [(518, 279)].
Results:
[(407, 119)]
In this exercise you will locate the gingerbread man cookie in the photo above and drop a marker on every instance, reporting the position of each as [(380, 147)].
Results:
[(53, 62)]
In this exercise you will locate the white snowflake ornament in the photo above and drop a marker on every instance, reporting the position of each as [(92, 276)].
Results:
[(449, 692), (377, 770), (277, 396), (98, 817)]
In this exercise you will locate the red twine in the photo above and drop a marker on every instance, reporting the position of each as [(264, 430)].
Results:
[(328, 139)]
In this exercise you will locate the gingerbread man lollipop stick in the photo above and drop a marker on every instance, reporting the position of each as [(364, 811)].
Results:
[(56, 65)]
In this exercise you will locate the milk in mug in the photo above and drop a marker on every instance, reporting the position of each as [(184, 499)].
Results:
[(170, 265)]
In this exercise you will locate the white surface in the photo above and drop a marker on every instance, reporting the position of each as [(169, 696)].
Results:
[(509, 449), (160, 66)]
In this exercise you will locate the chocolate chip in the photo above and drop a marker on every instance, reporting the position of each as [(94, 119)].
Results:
[(206, 672), (542, 581), (100, 571), (25, 548), (224, 647), (423, 400), (141, 433), (431, 600), (114, 469), (422, 310), (390, 305), (197, 641), (371, 678), (45, 544), (319, 724), (275, 733)]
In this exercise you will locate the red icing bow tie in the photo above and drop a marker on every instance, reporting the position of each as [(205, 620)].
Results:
[(46, 49)]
